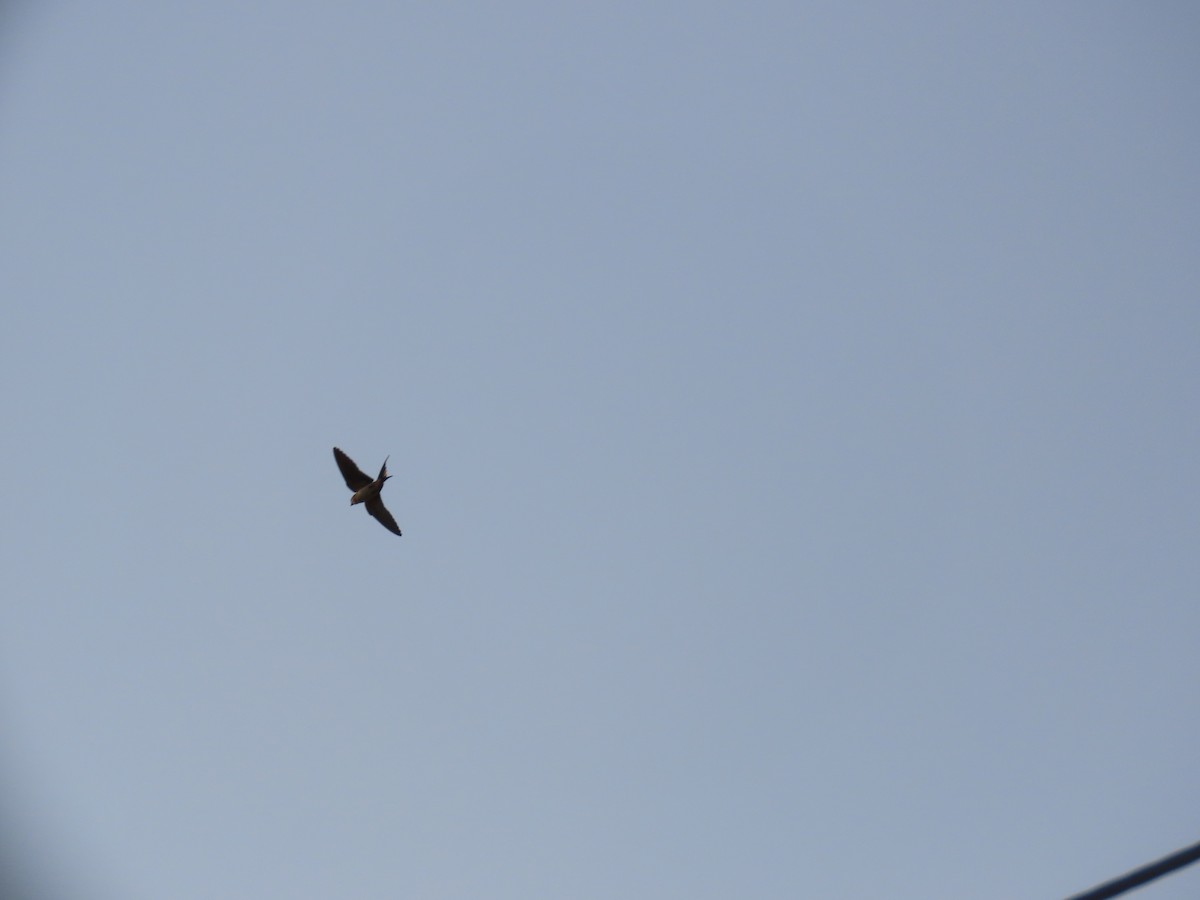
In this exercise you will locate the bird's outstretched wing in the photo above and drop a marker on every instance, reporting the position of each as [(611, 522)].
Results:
[(376, 508), (356, 479)]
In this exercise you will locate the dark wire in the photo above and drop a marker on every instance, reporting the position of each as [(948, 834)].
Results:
[(1138, 877)]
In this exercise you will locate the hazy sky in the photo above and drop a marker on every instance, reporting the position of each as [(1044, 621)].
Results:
[(793, 415)]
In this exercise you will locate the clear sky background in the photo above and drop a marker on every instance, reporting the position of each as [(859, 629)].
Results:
[(793, 415)]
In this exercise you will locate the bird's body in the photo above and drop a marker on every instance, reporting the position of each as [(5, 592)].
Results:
[(366, 490), (371, 490)]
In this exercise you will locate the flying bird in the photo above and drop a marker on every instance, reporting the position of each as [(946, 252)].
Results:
[(365, 490)]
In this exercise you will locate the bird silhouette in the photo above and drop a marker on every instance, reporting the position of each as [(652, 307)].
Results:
[(367, 490)]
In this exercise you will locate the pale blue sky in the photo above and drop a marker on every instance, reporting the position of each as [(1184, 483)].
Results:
[(793, 415)]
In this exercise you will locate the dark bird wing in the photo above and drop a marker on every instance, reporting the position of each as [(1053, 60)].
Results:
[(356, 479), (376, 508)]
